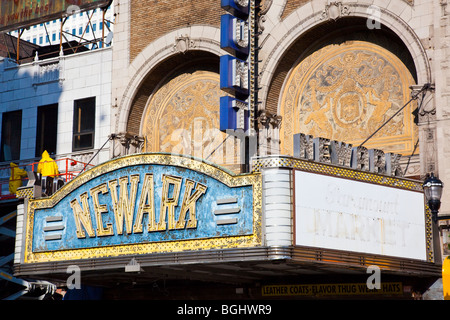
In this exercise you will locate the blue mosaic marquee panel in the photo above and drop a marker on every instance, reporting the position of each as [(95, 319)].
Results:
[(221, 211)]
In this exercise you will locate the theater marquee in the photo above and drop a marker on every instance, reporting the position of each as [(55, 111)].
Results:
[(147, 203), (341, 209), (359, 216)]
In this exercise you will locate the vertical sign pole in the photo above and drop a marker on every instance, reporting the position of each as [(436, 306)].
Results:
[(251, 145), (237, 75), (253, 103)]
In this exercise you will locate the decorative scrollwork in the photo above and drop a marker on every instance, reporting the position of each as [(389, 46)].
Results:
[(183, 44), (334, 11), (264, 8)]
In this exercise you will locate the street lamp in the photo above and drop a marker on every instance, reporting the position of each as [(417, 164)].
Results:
[(432, 187)]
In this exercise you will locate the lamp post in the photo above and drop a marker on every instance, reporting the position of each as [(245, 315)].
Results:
[(432, 187)]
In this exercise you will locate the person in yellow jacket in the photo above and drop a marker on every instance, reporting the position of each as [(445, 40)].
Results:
[(47, 166), (15, 180)]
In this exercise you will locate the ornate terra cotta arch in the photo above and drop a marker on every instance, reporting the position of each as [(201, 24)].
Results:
[(182, 117), (346, 92), (196, 38), (282, 34)]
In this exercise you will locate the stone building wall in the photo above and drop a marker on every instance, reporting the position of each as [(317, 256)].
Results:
[(158, 36)]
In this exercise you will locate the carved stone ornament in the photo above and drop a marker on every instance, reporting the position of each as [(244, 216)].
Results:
[(264, 8), (48, 72), (275, 120), (427, 110), (265, 119), (334, 11), (183, 44)]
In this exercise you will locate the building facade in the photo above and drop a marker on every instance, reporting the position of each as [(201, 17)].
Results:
[(83, 25), (353, 91), (44, 96), (60, 105)]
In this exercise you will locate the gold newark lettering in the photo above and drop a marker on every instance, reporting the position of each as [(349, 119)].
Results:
[(168, 203), (123, 204), (82, 216), (99, 209), (188, 204), (146, 206)]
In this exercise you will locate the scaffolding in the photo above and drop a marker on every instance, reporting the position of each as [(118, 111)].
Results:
[(65, 46), (11, 287)]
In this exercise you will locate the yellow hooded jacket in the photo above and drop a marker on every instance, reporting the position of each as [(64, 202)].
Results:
[(15, 180), (47, 166)]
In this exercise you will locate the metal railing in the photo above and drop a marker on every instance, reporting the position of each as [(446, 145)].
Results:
[(68, 169)]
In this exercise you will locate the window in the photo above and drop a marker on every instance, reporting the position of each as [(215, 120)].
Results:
[(94, 27), (54, 37), (84, 124), (40, 39), (11, 135), (46, 132)]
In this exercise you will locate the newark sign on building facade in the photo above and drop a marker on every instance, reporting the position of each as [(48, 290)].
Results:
[(314, 211), (143, 204), (175, 214)]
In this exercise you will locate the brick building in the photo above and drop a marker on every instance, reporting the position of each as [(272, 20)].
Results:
[(334, 71)]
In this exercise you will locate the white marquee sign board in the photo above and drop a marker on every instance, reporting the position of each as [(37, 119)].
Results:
[(342, 214)]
